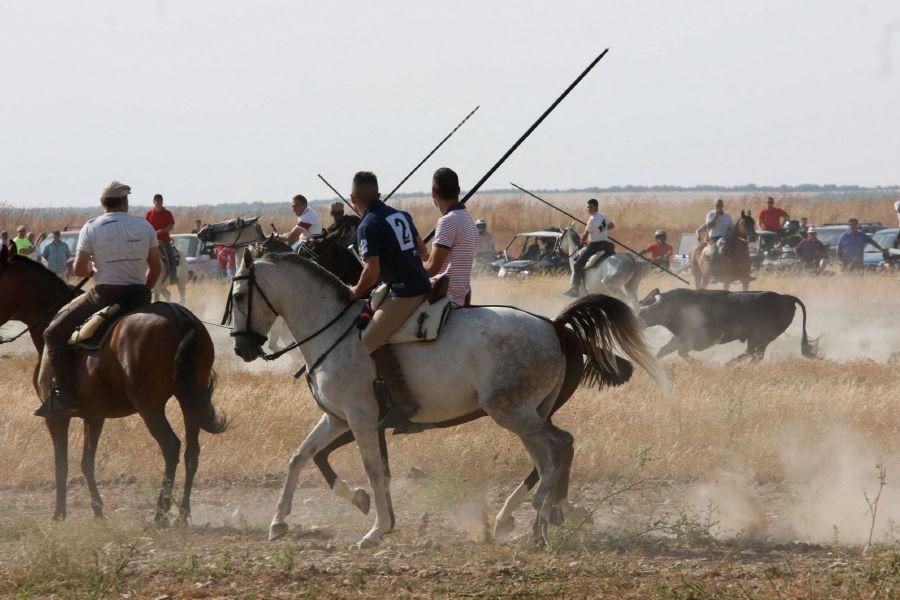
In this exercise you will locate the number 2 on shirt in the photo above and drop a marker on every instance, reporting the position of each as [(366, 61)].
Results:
[(402, 231)]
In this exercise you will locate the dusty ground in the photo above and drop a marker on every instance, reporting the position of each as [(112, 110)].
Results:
[(743, 482), (437, 553)]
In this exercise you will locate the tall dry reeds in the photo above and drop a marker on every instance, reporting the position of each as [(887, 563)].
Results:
[(637, 216)]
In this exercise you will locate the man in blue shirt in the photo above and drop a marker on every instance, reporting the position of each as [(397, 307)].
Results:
[(392, 252), (851, 246)]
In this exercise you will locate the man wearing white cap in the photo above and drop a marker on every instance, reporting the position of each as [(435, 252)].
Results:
[(121, 252), (810, 250)]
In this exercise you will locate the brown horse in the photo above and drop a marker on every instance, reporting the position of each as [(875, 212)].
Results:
[(734, 264), (154, 353)]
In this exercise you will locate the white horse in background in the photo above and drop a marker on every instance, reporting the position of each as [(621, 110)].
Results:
[(619, 275), (498, 361), (165, 280)]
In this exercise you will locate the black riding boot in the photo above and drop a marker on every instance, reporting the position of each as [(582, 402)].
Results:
[(60, 403), (393, 394)]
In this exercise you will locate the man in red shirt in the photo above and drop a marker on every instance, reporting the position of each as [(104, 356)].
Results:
[(163, 222), (772, 218), (660, 252)]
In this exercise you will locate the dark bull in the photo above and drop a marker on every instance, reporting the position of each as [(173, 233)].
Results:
[(700, 319)]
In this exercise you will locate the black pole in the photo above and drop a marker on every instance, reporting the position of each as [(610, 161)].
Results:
[(525, 135), (571, 216), (325, 181), (435, 149)]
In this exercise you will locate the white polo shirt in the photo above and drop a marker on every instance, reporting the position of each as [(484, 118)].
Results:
[(309, 217), (118, 244), (597, 228)]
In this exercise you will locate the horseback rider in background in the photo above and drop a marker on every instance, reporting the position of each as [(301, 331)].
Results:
[(596, 236)]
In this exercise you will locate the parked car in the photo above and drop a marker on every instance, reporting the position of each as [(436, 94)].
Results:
[(532, 252), (830, 234), (201, 260), (681, 261), (886, 238)]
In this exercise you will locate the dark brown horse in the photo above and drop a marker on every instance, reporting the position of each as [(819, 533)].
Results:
[(734, 264), (156, 352)]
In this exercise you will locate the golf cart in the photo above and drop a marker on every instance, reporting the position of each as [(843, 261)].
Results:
[(532, 252)]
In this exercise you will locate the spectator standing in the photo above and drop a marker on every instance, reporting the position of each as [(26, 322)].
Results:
[(810, 251), (225, 257), (23, 244), (198, 225), (4, 238), (851, 246), (56, 254), (772, 218)]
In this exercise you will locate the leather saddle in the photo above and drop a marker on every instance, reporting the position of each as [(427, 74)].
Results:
[(425, 324), (595, 260), (91, 335), (721, 247)]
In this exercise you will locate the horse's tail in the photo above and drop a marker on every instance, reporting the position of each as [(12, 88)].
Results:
[(602, 324), (193, 390), (809, 347)]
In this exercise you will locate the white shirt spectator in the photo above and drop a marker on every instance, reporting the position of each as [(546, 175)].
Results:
[(723, 224), (456, 231), (309, 223), (597, 227), (119, 244)]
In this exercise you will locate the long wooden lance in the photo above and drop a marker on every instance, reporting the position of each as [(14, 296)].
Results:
[(571, 216), (427, 156), (331, 187), (528, 132)]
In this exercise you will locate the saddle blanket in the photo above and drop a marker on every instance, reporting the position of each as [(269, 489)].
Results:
[(424, 325)]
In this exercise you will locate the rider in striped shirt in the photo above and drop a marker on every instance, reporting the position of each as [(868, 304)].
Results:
[(455, 238)]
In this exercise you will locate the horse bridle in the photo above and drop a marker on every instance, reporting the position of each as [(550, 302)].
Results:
[(261, 339), (250, 277)]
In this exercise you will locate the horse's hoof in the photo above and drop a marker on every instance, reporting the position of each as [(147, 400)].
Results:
[(503, 528), (368, 542), (183, 521), (361, 500), (161, 520), (277, 530), (555, 516)]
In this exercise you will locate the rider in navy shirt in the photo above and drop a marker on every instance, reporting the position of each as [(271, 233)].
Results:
[(390, 235), (392, 252)]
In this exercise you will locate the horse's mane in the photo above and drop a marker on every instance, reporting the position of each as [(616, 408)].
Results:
[(40, 270), (323, 275)]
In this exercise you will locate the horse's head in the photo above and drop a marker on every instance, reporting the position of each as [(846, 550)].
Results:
[(328, 251), (746, 226), (273, 244), (251, 311), (27, 289), (570, 240)]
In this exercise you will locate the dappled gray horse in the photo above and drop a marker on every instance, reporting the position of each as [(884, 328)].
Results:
[(619, 275), (498, 361)]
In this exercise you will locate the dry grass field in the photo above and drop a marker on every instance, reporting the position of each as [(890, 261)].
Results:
[(751, 481)]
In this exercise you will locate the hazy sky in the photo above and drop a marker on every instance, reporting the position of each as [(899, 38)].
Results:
[(215, 101)]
